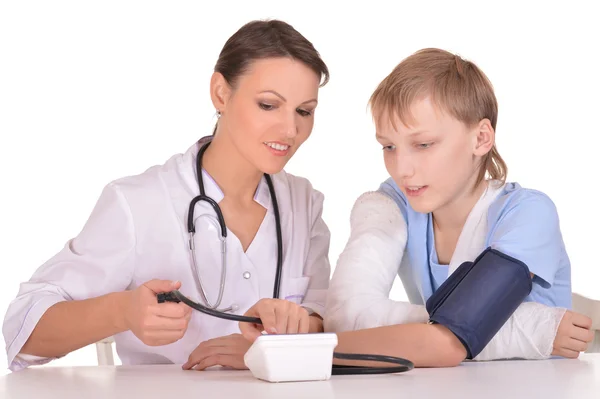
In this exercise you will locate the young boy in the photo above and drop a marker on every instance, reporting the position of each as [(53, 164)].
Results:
[(445, 203)]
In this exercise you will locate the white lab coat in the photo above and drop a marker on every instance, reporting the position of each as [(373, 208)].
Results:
[(138, 232)]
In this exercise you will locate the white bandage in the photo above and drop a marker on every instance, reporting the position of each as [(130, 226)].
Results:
[(358, 296), (528, 334)]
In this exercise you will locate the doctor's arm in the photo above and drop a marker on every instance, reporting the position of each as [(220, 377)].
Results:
[(69, 325), (76, 298)]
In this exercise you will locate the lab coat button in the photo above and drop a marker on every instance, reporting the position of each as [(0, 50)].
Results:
[(247, 275)]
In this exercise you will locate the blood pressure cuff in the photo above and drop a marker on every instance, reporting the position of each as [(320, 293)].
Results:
[(479, 297)]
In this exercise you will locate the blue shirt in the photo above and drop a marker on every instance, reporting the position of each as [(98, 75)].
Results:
[(522, 223)]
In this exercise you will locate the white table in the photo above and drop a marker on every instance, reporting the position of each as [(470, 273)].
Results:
[(548, 379)]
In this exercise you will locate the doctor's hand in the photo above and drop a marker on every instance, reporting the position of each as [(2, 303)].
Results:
[(155, 323), (225, 351), (278, 317), (573, 336)]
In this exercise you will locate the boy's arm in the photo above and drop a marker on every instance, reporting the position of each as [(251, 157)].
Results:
[(425, 345), (358, 296), (365, 271)]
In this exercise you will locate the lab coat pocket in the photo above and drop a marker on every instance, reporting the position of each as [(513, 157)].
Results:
[(294, 289)]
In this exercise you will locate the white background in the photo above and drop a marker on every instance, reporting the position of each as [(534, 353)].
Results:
[(93, 91)]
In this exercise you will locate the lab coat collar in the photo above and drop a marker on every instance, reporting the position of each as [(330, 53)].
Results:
[(211, 188)]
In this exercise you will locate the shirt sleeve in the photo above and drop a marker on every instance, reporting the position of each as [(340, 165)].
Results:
[(391, 189), (98, 261), (528, 229), (317, 266)]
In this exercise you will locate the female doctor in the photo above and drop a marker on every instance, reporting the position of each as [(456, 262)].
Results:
[(147, 235)]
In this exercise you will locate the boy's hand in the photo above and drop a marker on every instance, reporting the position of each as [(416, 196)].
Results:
[(573, 336)]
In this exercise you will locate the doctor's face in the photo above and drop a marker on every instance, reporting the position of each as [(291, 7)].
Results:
[(434, 161), (270, 112)]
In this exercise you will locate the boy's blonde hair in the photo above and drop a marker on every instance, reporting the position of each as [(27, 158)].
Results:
[(456, 86)]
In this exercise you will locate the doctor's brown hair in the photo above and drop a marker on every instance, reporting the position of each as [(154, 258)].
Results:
[(262, 39), (456, 86)]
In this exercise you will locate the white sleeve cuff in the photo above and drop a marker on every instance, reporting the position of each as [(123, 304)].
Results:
[(14, 359)]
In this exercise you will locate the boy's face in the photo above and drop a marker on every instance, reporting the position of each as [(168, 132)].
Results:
[(435, 160)]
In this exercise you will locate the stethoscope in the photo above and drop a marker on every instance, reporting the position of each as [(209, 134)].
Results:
[(223, 237), (402, 365)]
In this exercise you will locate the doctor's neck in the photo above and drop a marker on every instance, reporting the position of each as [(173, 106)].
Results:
[(236, 177)]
